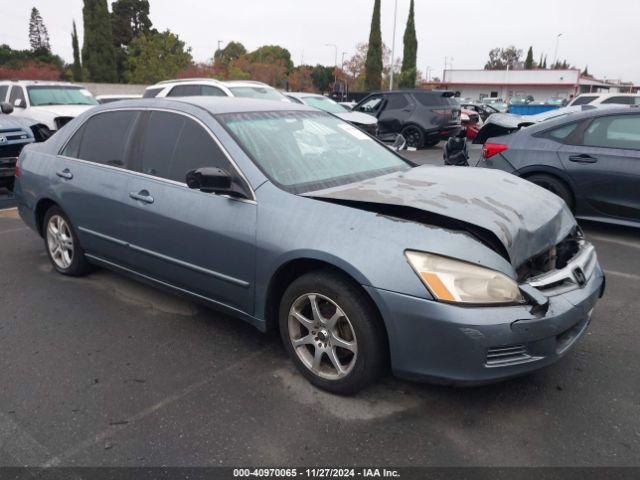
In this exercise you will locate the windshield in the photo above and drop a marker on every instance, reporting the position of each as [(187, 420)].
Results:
[(324, 103), (264, 93), (54, 95), (307, 151)]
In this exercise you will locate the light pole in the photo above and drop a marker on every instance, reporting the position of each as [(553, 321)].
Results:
[(393, 44), (335, 74), (555, 55)]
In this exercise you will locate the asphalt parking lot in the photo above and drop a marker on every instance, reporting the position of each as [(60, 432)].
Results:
[(106, 371)]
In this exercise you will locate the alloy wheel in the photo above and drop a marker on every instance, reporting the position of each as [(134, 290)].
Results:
[(413, 137), (322, 336), (60, 242)]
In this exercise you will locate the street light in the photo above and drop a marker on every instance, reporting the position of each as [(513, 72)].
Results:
[(555, 55), (393, 44), (335, 74)]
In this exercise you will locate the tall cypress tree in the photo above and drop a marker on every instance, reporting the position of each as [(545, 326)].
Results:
[(528, 63), (98, 52), (38, 35), (409, 70), (76, 68), (373, 65)]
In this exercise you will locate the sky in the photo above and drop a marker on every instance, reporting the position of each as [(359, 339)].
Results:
[(603, 35)]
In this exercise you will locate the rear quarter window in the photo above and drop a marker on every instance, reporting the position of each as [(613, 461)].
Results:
[(584, 100)]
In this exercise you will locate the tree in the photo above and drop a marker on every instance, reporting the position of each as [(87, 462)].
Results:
[(301, 79), (503, 58), (156, 56), (322, 78), (529, 63), (409, 71), (231, 52), (76, 68), (373, 63), (98, 52), (271, 54), (544, 65), (585, 72), (38, 35), (129, 18)]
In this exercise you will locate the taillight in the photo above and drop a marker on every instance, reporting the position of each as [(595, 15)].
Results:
[(17, 169), (491, 149)]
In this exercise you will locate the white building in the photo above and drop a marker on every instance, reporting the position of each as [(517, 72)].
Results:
[(541, 84)]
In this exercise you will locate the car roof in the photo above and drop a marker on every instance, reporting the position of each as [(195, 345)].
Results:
[(245, 83), (603, 95), (214, 105), (304, 94), (586, 113), (179, 81), (40, 82)]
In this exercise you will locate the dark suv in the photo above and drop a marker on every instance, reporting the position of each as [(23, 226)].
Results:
[(424, 117)]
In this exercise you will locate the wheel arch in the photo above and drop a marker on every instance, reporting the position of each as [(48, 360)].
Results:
[(294, 268), (43, 205)]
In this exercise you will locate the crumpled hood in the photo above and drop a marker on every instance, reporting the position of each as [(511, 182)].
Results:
[(358, 117), (525, 218)]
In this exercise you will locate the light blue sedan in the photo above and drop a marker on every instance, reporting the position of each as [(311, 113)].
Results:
[(288, 217)]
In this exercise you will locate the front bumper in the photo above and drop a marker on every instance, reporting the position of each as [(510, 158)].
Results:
[(450, 344)]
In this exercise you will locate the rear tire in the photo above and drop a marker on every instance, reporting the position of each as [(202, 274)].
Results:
[(62, 244), (339, 343), (554, 185), (414, 136)]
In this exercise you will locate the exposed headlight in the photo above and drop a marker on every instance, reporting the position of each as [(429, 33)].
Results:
[(455, 281)]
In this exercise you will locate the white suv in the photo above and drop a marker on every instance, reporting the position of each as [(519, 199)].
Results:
[(197, 87), (606, 99), (49, 103)]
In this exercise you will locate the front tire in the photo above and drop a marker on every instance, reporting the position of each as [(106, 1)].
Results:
[(554, 185), (332, 332), (62, 245)]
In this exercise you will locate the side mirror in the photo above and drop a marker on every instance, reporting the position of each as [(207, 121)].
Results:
[(6, 108), (399, 144), (212, 180)]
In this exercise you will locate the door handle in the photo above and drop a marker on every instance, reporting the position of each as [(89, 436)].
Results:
[(142, 196), (66, 174), (584, 158)]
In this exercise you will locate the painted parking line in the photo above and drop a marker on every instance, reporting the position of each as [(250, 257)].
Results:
[(20, 446), (629, 276), (624, 243)]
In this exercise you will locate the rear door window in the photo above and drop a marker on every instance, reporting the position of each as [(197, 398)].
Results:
[(104, 138), (615, 131), (397, 101)]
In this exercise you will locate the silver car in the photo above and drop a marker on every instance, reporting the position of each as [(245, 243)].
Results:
[(290, 218)]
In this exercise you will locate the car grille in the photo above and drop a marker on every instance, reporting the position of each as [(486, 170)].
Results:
[(507, 355), (555, 258), (8, 151)]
